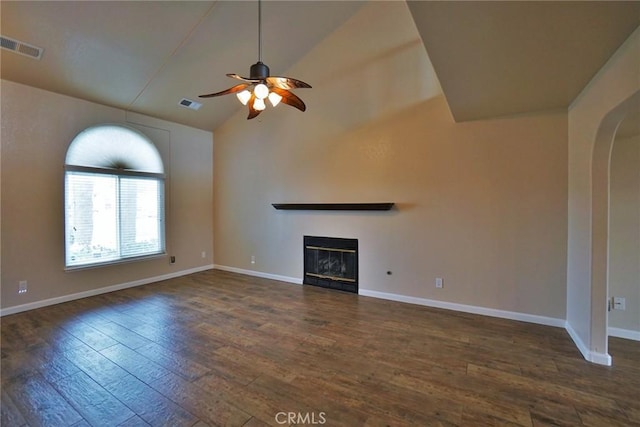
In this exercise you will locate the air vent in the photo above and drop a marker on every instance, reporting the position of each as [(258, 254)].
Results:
[(21, 47), (190, 104)]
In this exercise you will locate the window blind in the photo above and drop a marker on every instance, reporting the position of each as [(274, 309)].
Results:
[(111, 217)]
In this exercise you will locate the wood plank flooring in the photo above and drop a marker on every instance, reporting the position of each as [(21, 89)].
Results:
[(216, 348)]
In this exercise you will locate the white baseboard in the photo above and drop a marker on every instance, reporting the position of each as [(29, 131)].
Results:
[(624, 333), (512, 315), (255, 273), (582, 347), (590, 356), (600, 358), (65, 298)]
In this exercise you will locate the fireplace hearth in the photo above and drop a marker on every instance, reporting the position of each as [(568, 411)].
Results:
[(331, 262)]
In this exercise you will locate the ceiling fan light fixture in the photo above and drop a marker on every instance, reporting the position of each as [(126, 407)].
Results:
[(274, 98), (259, 104), (261, 91), (244, 96)]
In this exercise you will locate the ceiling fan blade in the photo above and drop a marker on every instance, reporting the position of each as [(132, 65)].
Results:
[(236, 88), (244, 79), (290, 98), (286, 83), (252, 111)]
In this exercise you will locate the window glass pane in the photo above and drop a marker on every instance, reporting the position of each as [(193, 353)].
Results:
[(140, 216), (91, 218)]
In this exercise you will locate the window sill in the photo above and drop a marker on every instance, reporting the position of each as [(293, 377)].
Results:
[(114, 262)]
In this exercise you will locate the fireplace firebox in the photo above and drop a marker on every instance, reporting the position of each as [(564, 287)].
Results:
[(331, 262)]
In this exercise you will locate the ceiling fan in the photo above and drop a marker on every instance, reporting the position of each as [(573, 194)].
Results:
[(275, 88)]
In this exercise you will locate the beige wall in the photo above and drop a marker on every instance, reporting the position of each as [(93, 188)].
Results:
[(37, 127), (481, 204), (593, 118), (624, 232)]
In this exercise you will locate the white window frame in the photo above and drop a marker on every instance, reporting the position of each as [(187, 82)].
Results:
[(119, 173)]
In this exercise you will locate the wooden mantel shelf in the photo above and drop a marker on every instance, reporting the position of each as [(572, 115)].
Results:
[(385, 206)]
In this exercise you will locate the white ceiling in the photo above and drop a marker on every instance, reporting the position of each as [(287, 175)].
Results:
[(492, 58), (511, 57)]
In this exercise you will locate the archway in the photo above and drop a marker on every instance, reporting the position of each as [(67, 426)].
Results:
[(600, 218), (593, 119), (623, 273)]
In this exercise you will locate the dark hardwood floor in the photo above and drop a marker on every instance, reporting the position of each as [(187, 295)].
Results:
[(217, 348)]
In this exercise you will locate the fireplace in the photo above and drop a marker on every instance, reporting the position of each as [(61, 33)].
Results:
[(331, 262)]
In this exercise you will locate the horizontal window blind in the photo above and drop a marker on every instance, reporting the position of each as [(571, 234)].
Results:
[(141, 221), (112, 217)]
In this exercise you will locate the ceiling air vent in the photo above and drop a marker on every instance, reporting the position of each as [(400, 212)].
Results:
[(190, 104), (21, 47)]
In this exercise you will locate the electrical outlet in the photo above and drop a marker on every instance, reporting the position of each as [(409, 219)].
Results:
[(203, 254), (172, 260), (253, 259), (439, 282), (619, 303), (22, 287)]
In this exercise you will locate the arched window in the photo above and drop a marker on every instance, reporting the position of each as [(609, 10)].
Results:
[(114, 197)]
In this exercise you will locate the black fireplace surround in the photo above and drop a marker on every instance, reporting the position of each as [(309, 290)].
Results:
[(331, 262)]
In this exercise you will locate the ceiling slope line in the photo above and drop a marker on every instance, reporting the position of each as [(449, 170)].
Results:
[(173, 52)]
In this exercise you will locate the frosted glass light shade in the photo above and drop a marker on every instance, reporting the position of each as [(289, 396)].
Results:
[(261, 91), (274, 98), (244, 96), (258, 104)]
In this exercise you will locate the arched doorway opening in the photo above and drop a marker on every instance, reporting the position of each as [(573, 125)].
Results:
[(600, 180), (623, 283)]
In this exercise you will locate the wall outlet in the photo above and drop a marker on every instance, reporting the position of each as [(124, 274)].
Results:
[(22, 287), (172, 260), (439, 282), (253, 259), (619, 303), (203, 254)]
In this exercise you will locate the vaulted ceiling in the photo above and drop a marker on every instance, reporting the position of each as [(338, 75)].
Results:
[(492, 58)]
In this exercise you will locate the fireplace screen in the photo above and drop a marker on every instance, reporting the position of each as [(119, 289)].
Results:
[(331, 263)]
